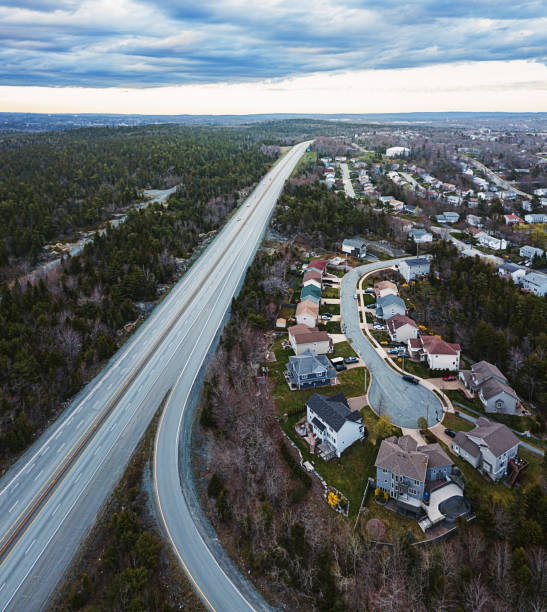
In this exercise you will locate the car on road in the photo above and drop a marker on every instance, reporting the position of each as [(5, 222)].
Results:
[(449, 378), (340, 366), (351, 359), (238, 219), (410, 379), (354, 296), (450, 432)]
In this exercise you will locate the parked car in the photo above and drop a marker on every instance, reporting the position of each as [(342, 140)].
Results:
[(327, 314), (354, 296), (403, 354), (410, 379), (449, 378), (351, 359), (450, 432), (393, 351), (369, 290), (326, 317), (341, 366), (372, 305)]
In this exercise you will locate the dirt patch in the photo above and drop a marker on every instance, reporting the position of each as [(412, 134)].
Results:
[(376, 529)]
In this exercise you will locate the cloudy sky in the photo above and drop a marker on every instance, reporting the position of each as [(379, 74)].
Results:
[(235, 56)]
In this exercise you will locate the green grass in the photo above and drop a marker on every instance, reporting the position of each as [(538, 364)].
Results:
[(333, 327), (368, 298), (331, 293), (451, 421), (348, 474), (306, 160), (417, 369), (458, 396), (332, 308), (343, 349), (381, 336)]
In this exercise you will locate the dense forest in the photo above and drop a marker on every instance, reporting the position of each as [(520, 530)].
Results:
[(271, 517), (56, 332), (489, 316)]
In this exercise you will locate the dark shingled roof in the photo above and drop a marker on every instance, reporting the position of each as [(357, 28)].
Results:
[(466, 444), (499, 437), (333, 410)]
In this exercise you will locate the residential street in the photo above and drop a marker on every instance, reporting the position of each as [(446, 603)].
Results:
[(350, 192)]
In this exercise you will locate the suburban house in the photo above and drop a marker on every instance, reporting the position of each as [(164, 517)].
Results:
[(397, 152), (414, 268), (530, 252), (319, 265), (307, 313), (438, 354), (487, 382), (512, 219), (383, 288), (355, 247), (448, 217), (420, 236), (497, 244), (312, 278), (308, 370), (334, 426), (512, 272), (311, 292), (401, 328), (389, 305), (303, 338), (535, 282), (489, 447), (473, 220), (419, 478)]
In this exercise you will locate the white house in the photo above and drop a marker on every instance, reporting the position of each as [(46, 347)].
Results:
[(303, 338), (473, 220), (356, 247), (334, 426), (438, 354), (512, 272), (383, 288), (536, 218), (420, 236), (307, 313), (529, 251), (312, 277), (401, 328), (497, 244), (413, 268), (535, 282), (488, 447), (397, 152)]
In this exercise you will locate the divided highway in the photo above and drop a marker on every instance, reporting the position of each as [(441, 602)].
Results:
[(50, 498)]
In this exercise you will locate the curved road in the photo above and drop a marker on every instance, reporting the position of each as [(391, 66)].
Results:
[(50, 498), (388, 393)]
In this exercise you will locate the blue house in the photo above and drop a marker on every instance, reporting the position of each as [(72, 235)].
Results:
[(389, 305), (311, 292), (307, 370)]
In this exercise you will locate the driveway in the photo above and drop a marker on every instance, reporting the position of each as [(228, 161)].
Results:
[(438, 430), (389, 394)]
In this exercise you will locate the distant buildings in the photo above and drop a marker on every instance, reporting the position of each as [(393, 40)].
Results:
[(529, 252), (536, 218), (535, 282), (448, 217), (397, 152), (496, 244), (420, 236)]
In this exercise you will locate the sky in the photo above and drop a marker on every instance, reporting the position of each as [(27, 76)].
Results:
[(236, 57)]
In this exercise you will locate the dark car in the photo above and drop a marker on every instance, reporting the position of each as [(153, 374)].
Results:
[(450, 432), (448, 378), (350, 360), (410, 379), (341, 366)]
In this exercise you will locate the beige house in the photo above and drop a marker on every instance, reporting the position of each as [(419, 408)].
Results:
[(383, 288), (401, 328), (307, 313), (303, 338)]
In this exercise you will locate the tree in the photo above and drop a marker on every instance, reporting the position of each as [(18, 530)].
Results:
[(422, 423)]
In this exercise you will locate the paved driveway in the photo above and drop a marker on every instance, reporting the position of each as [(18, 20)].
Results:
[(388, 394)]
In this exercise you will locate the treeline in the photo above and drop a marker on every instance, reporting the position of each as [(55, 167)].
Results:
[(56, 183), (53, 334), (327, 216), (489, 316)]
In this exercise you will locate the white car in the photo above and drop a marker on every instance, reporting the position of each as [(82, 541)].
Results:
[(354, 296)]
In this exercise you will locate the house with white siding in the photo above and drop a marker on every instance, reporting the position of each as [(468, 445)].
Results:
[(414, 268), (535, 282), (401, 328), (438, 354), (497, 244), (307, 313), (303, 338)]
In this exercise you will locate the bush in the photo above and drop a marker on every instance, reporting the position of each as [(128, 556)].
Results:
[(215, 485)]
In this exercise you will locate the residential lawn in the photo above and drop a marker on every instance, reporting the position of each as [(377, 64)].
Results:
[(368, 298), (395, 523), (331, 293), (381, 336), (348, 474), (451, 421), (343, 349), (458, 396), (333, 327), (417, 369), (332, 308), (286, 312)]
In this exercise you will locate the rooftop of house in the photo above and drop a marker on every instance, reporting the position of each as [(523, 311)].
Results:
[(416, 262), (467, 444), (483, 370), (303, 334), (497, 436), (437, 346), (399, 456), (318, 264), (310, 290), (308, 363), (385, 284), (510, 267), (334, 411), (419, 232), (436, 455), (399, 320), (312, 275), (390, 299), (307, 307), (537, 278), (493, 387), (354, 242)]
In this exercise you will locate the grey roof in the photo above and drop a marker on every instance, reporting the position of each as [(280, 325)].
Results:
[(497, 436), (435, 454), (392, 457), (390, 299), (466, 444), (417, 261), (482, 370), (537, 278), (308, 363), (357, 243), (334, 411), (407, 443), (493, 387), (418, 232), (509, 267)]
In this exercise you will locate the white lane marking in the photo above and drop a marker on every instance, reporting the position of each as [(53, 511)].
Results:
[(45, 450), (11, 509), (61, 447), (38, 475), (29, 468), (31, 545), (56, 508), (110, 386), (2, 587), (79, 424), (58, 433), (77, 477)]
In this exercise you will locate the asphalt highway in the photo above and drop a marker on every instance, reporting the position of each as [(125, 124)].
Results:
[(50, 498), (388, 392)]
